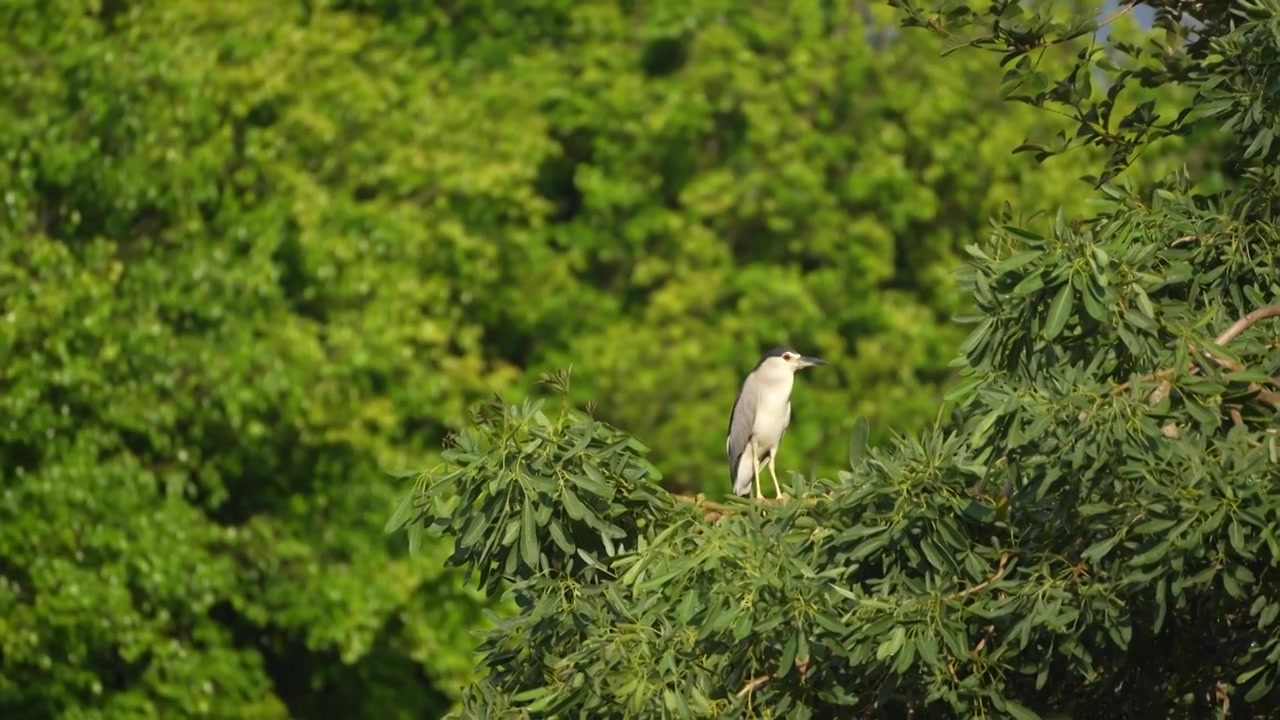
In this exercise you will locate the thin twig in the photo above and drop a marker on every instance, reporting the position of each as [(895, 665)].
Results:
[(714, 511), (1266, 396), (990, 631), (1004, 561), (1158, 375), (701, 501), (1115, 15), (752, 685)]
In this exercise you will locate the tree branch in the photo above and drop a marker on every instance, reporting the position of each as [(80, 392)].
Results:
[(1224, 338), (752, 685), (1247, 322), (714, 511)]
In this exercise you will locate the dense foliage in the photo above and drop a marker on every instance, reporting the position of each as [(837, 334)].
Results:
[(1091, 532), (254, 254)]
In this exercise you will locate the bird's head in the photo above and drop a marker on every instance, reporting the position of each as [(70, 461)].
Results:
[(787, 360)]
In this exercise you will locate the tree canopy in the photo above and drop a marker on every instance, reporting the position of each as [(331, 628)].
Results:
[(255, 256), (1088, 530)]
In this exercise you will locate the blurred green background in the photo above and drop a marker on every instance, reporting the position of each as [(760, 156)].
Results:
[(256, 256)]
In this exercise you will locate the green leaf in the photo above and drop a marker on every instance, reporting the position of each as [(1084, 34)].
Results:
[(1059, 311), (1268, 615), (934, 556), (1083, 82), (510, 532), (559, 538), (959, 393), (1261, 687), (1099, 550), (1016, 261), (1152, 555), (1028, 285), (475, 529), (858, 443), (788, 658), (530, 543), (585, 433), (1018, 711), (404, 510), (415, 538), (594, 483), (1143, 301), (531, 694), (867, 547), (1247, 376), (675, 570), (1152, 527), (573, 505), (1235, 532), (1031, 237), (837, 628), (976, 337), (892, 644), (1261, 143)]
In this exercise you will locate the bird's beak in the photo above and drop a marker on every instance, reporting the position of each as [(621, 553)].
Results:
[(806, 361)]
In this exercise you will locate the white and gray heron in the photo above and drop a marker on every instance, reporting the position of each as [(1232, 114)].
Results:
[(760, 416)]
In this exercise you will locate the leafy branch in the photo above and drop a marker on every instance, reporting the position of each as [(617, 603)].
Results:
[(1136, 578)]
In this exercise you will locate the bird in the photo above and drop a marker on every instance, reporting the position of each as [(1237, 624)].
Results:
[(760, 416)]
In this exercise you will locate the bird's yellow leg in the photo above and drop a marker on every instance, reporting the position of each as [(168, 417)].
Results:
[(776, 485), (755, 468)]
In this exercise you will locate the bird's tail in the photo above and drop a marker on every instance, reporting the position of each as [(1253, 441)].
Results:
[(743, 481)]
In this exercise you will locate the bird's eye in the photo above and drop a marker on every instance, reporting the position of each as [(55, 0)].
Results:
[(788, 356)]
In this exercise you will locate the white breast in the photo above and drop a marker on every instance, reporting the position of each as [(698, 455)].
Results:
[(773, 413)]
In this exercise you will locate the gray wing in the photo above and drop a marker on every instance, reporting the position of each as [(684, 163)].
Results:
[(740, 425)]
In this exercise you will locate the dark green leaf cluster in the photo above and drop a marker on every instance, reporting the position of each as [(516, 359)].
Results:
[(1125, 93), (1106, 386), (519, 479)]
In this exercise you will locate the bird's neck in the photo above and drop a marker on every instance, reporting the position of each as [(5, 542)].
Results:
[(778, 378)]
